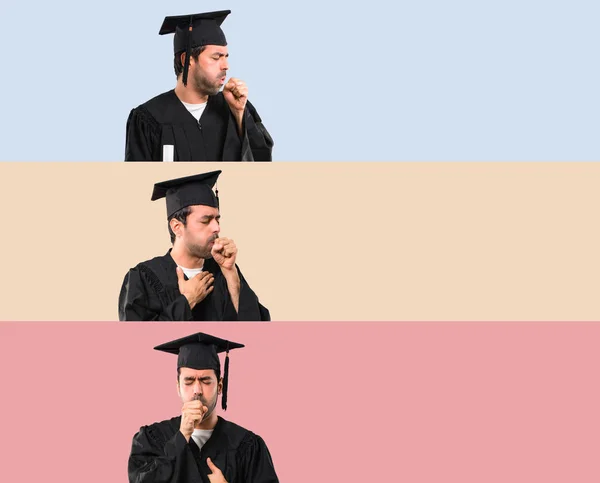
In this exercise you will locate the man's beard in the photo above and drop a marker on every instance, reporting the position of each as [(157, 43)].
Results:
[(203, 84), (201, 251)]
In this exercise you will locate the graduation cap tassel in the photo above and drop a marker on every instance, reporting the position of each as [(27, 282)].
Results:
[(225, 379), (188, 52), (217, 195)]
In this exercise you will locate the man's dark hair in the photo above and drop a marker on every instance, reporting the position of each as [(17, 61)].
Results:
[(217, 373), (196, 51), (180, 215)]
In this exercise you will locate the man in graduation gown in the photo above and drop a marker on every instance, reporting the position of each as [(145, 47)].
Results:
[(195, 121), (199, 446), (198, 278)]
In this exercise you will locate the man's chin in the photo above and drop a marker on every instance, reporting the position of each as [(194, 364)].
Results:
[(203, 253), (211, 91), (208, 91)]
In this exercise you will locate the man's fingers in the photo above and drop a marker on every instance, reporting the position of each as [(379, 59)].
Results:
[(238, 94), (195, 404), (230, 250), (179, 275), (195, 413), (228, 244), (231, 83), (204, 279), (237, 87), (205, 282)]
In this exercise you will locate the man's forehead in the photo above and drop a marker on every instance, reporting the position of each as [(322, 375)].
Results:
[(214, 49), (203, 210), (189, 372)]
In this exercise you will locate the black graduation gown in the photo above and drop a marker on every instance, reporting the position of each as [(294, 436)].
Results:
[(160, 454), (164, 120), (150, 291)]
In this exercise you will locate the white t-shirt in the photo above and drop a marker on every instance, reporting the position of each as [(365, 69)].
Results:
[(196, 110), (191, 272), (201, 436)]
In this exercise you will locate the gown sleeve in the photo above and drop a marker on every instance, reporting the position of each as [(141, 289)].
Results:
[(153, 460), (140, 300), (142, 138), (256, 142), (257, 139), (250, 308), (255, 460)]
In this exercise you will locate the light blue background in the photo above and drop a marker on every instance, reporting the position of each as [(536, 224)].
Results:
[(422, 80)]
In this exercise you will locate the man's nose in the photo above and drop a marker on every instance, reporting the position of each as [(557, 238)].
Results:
[(197, 388)]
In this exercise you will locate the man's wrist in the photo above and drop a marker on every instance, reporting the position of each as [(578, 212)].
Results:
[(237, 114), (232, 278), (190, 301), (229, 272)]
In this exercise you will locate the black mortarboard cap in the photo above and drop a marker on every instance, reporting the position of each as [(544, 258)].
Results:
[(200, 351), (194, 30), (188, 191)]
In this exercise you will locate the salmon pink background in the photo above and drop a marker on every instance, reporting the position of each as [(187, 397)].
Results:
[(335, 402)]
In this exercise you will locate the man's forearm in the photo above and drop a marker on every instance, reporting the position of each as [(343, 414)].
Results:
[(233, 286), (239, 121)]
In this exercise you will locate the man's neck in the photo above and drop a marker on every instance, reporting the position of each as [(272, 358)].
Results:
[(188, 95), (183, 259)]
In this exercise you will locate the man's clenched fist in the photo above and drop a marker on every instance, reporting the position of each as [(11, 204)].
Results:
[(224, 252), (191, 413)]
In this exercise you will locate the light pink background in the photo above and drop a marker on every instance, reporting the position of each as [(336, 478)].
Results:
[(335, 402)]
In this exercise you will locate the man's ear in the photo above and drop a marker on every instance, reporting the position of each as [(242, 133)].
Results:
[(176, 227)]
